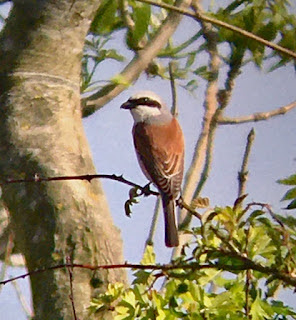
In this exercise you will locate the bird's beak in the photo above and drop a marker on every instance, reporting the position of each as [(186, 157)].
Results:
[(127, 105)]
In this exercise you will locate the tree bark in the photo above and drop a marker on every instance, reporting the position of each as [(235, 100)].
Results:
[(41, 133)]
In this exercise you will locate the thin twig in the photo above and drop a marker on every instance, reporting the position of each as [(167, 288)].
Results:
[(88, 177), (247, 291), (184, 205), (258, 116), (124, 10), (225, 241), (149, 240), (248, 278), (174, 108), (71, 296), (224, 95), (22, 299), (219, 23), (269, 210), (243, 173), (8, 251), (7, 261), (207, 165), (245, 264)]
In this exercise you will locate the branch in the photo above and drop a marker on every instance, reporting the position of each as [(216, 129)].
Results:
[(258, 116), (243, 173), (248, 279), (8, 252), (246, 264), (140, 62), (24, 303), (128, 21), (174, 108), (144, 190), (149, 240), (71, 295), (225, 25), (87, 177), (203, 150)]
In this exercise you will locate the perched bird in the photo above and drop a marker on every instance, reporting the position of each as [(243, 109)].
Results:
[(159, 145)]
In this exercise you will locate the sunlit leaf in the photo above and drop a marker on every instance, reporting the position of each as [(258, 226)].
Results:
[(105, 20)]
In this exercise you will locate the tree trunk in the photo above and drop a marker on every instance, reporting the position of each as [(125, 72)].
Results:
[(41, 133)]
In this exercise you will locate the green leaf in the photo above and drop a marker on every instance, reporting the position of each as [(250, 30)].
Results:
[(290, 194), (141, 276), (105, 20), (114, 55), (190, 59), (291, 180), (280, 309), (258, 55), (202, 72), (191, 85), (182, 288), (148, 256), (255, 214), (120, 80), (268, 31), (260, 310), (292, 205), (141, 17)]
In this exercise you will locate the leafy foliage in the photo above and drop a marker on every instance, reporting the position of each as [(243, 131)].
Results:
[(220, 275), (94, 54), (271, 20), (290, 194)]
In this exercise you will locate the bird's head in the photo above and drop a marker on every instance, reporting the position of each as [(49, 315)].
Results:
[(146, 106)]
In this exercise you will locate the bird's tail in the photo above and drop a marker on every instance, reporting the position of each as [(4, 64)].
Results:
[(171, 232)]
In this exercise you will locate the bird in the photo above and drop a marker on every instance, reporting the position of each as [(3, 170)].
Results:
[(159, 145)]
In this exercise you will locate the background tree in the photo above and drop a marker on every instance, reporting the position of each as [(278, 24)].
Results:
[(41, 116)]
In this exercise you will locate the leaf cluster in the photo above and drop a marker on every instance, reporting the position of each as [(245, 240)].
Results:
[(232, 269), (291, 193), (272, 20)]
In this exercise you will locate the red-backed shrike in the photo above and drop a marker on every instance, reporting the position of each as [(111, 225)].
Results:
[(159, 144)]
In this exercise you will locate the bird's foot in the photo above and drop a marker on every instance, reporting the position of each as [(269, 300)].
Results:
[(146, 190), (179, 202)]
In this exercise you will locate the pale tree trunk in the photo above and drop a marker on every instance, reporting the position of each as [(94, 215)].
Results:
[(41, 133)]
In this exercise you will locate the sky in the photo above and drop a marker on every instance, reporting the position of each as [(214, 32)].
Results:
[(272, 156)]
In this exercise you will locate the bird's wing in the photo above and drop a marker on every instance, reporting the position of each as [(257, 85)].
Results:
[(160, 150)]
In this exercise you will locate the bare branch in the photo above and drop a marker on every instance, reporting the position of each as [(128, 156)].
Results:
[(184, 205), (8, 251), (203, 149), (246, 264), (140, 62), (258, 116), (87, 177), (24, 303), (149, 240), (144, 190), (128, 21), (219, 23), (243, 174), (71, 296), (174, 108)]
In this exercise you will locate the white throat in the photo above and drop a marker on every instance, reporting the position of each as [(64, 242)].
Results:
[(144, 113)]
